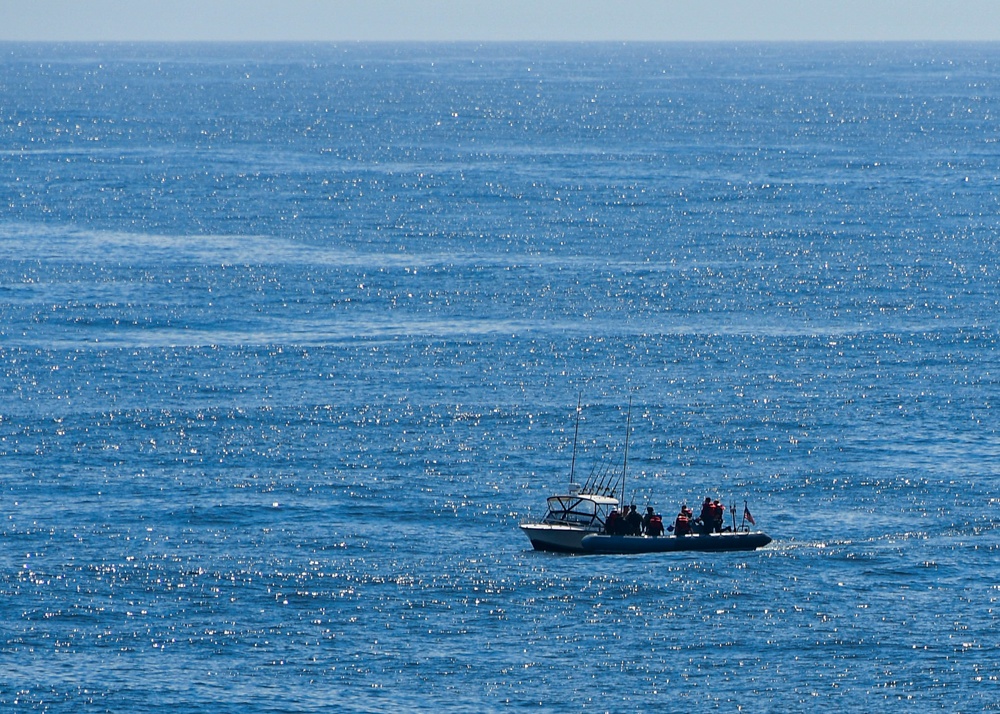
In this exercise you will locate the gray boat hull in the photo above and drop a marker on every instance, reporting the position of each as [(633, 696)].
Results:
[(714, 542)]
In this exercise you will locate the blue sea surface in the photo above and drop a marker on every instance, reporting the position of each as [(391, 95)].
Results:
[(292, 339)]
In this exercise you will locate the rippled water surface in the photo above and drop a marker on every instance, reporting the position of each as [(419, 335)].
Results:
[(292, 337)]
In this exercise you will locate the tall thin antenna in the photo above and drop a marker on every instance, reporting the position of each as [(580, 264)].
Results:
[(628, 429), (572, 468)]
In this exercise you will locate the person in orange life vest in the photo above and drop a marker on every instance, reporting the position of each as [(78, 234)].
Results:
[(682, 526), (655, 525), (707, 516), (647, 519), (719, 513)]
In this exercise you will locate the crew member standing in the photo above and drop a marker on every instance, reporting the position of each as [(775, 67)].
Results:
[(682, 526), (633, 522)]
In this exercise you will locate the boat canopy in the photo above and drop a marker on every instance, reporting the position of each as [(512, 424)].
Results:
[(579, 508)]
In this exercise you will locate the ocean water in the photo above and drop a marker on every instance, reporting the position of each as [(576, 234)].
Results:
[(292, 339)]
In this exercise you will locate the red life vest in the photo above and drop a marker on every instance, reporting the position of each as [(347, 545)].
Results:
[(682, 526), (655, 526)]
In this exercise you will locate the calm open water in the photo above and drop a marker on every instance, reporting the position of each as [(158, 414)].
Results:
[(292, 337)]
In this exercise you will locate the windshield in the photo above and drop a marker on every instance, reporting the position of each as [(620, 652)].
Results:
[(571, 509)]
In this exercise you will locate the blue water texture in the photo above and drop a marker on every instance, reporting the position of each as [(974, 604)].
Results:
[(292, 338)]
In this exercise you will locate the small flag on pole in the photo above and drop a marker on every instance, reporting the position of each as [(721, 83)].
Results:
[(746, 514)]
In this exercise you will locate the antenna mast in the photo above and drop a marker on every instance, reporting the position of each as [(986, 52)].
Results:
[(628, 429), (576, 433)]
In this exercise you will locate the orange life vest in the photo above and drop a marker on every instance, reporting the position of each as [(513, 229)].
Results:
[(655, 526)]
